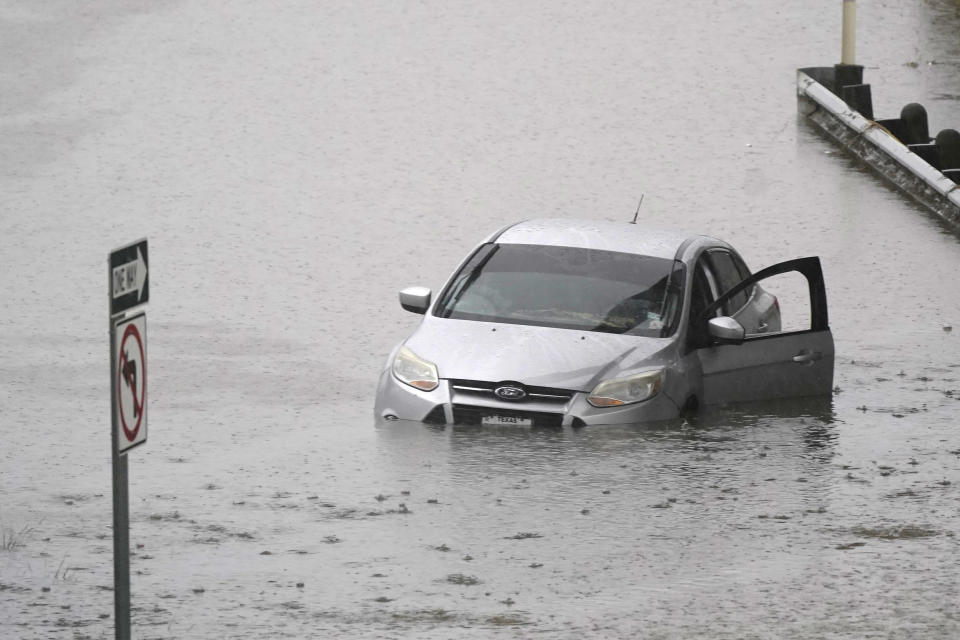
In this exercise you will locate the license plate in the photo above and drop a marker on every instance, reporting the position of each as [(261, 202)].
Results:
[(507, 421)]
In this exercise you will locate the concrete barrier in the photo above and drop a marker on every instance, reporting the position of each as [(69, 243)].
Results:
[(876, 145)]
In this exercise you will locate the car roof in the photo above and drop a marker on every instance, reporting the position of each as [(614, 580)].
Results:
[(596, 234)]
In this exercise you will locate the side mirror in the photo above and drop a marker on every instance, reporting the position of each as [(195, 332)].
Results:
[(415, 299), (726, 330)]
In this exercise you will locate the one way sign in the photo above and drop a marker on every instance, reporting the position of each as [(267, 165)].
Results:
[(129, 277)]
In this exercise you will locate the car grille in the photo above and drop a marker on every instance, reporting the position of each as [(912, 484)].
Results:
[(484, 389), (469, 414)]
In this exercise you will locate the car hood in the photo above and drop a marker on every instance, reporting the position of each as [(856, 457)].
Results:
[(541, 356)]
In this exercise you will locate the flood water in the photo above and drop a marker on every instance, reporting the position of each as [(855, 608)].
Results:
[(294, 164)]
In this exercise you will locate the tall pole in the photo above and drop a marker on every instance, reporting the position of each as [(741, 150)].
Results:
[(849, 52), (121, 515)]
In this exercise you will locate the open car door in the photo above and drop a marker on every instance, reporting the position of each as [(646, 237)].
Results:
[(767, 366)]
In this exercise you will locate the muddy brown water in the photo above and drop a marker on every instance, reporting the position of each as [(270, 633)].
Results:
[(293, 166)]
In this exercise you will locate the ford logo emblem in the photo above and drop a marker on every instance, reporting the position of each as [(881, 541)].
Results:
[(510, 392)]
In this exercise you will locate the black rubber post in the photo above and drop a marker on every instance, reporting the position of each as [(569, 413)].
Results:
[(915, 128), (948, 141)]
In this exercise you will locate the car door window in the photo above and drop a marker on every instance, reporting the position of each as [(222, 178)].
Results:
[(728, 276), (741, 266), (744, 272), (702, 295)]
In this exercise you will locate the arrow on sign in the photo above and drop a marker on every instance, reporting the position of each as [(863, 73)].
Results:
[(129, 277)]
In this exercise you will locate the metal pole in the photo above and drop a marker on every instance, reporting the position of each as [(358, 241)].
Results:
[(121, 548), (121, 517), (848, 54)]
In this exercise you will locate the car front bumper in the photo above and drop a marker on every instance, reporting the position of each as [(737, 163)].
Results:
[(450, 403)]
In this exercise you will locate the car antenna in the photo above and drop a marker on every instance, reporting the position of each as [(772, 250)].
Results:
[(638, 209)]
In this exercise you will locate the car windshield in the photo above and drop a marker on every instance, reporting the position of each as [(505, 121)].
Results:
[(565, 287)]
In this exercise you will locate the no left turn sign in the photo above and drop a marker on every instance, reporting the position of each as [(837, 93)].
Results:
[(130, 381)]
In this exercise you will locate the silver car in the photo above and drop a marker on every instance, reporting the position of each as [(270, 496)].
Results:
[(551, 323)]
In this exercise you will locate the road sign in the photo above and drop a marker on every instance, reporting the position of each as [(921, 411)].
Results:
[(128, 286), (130, 381), (129, 277)]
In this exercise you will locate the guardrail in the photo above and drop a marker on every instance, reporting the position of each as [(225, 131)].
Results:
[(900, 149)]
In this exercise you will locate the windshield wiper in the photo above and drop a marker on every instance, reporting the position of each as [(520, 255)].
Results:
[(458, 289)]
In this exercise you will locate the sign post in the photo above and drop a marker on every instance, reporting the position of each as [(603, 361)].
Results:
[(128, 286)]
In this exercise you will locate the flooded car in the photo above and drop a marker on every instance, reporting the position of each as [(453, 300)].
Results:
[(572, 323)]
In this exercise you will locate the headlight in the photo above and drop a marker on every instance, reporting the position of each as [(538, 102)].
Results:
[(619, 391), (413, 370)]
